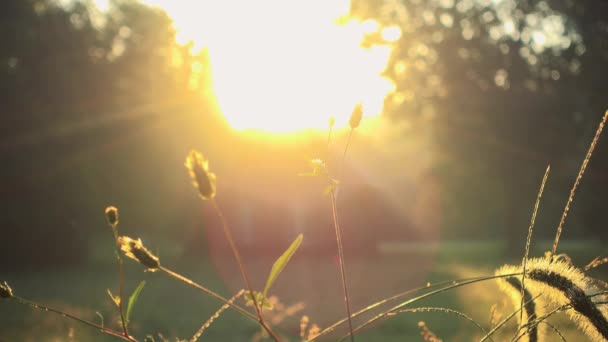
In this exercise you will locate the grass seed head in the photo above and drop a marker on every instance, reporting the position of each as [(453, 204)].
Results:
[(332, 121), (5, 291), (356, 116), (135, 250), (202, 178), (112, 216), (559, 283)]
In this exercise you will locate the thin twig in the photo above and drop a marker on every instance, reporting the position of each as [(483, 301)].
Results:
[(341, 261), (77, 319), (239, 261), (577, 182)]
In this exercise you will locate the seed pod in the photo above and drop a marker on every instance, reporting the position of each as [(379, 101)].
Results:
[(135, 250), (356, 116), (5, 291), (202, 178), (112, 216)]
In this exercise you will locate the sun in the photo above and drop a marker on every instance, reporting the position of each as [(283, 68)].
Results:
[(286, 65)]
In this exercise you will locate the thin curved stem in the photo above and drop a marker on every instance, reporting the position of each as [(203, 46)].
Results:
[(529, 240), (208, 292), (75, 318), (239, 261), (455, 284), (341, 260), (440, 310), (120, 282), (581, 172)]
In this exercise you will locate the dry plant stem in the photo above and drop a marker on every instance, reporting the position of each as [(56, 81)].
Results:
[(343, 162), (217, 314), (439, 310), (239, 261), (504, 321), (577, 182), (455, 284), (529, 240), (341, 261), (541, 319), (208, 292), (120, 283), (389, 299), (77, 319)]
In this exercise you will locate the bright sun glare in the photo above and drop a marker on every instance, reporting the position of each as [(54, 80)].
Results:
[(287, 65)]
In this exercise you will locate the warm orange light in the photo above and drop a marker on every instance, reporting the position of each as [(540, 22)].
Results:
[(286, 65)]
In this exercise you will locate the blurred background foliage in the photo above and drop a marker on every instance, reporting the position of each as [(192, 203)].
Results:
[(100, 108)]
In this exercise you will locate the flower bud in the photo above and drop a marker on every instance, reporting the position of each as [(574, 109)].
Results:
[(112, 216), (356, 116), (202, 178)]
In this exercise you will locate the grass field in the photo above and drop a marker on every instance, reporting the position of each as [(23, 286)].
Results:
[(175, 310)]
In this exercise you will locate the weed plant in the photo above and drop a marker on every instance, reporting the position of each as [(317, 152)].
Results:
[(538, 288)]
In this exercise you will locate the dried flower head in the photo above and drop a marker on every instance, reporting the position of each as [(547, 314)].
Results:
[(5, 291), (135, 250), (356, 116), (303, 325), (112, 216), (314, 331), (202, 178)]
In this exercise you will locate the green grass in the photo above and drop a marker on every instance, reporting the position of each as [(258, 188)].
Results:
[(176, 310)]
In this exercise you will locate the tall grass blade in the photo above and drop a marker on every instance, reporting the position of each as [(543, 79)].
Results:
[(281, 262), (133, 299)]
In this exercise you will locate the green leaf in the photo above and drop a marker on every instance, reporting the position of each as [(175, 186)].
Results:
[(281, 262), (133, 299)]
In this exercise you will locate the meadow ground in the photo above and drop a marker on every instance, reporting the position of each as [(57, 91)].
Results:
[(175, 310)]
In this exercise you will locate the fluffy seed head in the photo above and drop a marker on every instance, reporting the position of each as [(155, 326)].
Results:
[(112, 216), (356, 116), (5, 291), (135, 250), (559, 283), (202, 178)]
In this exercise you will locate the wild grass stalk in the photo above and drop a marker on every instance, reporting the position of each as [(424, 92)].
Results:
[(239, 260), (529, 240), (46, 308), (217, 314), (112, 218), (205, 182), (341, 262), (354, 122), (442, 287), (579, 177)]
